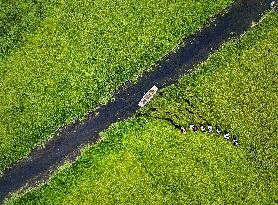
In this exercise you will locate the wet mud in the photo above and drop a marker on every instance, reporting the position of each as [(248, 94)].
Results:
[(196, 48)]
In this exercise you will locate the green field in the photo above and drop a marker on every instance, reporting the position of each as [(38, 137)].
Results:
[(60, 59), (148, 161)]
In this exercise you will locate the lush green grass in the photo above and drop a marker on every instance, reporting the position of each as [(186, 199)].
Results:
[(17, 19), (62, 58), (148, 161)]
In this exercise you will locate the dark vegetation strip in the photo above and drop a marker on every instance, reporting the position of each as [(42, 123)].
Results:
[(196, 48), (147, 161), (81, 53), (175, 119), (18, 18)]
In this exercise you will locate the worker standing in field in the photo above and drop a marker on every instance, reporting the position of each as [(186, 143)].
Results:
[(210, 129), (235, 141), (203, 129), (193, 128), (226, 135), (218, 131), (183, 130)]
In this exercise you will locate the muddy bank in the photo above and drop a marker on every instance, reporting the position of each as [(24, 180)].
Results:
[(232, 23)]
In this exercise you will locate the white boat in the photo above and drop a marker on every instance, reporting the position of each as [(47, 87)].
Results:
[(148, 96)]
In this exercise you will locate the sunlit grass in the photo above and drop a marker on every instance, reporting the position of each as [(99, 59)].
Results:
[(59, 59), (148, 161)]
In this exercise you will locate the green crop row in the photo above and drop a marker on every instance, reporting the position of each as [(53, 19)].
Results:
[(60, 59), (148, 161)]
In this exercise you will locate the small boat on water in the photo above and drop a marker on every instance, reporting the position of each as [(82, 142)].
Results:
[(148, 96)]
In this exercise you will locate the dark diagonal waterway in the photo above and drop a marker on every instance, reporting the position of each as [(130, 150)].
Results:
[(232, 23)]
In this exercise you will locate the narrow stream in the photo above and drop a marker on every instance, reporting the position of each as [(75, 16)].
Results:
[(196, 49)]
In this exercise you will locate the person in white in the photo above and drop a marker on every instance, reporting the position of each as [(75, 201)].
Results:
[(203, 129), (183, 130), (226, 136), (218, 131), (210, 128), (235, 142), (273, 5)]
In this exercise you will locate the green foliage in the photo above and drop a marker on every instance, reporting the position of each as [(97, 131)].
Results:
[(63, 58), (148, 161), (236, 89), (17, 19)]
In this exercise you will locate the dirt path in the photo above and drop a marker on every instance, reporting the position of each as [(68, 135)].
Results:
[(232, 23)]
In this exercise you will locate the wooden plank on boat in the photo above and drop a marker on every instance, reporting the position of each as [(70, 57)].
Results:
[(148, 96)]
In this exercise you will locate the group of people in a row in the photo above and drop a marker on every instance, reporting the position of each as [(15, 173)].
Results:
[(226, 134)]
